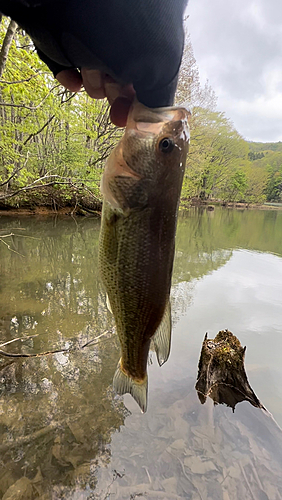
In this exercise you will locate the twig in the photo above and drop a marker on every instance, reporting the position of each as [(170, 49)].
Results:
[(15, 171), (21, 235), (146, 469), (25, 80), (13, 234), (16, 355), (47, 122), (32, 186), (70, 349), (96, 338), (39, 131), (19, 338), (31, 108), (9, 247)]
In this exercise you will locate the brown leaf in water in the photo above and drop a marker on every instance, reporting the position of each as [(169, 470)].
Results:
[(20, 490)]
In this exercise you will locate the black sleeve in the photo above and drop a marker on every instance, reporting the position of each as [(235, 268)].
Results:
[(135, 41), (52, 65)]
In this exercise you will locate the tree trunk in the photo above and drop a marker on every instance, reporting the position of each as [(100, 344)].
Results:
[(6, 45)]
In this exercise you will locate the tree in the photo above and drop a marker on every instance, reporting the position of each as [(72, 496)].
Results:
[(49, 136), (217, 152), (189, 89), (6, 45)]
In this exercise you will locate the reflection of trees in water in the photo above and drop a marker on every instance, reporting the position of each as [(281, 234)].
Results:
[(206, 231), (187, 268), (197, 254), (198, 248), (57, 412), (57, 415), (205, 242), (56, 284)]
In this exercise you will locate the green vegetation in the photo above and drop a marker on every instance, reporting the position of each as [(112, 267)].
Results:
[(265, 146), (53, 144), (50, 138), (269, 164)]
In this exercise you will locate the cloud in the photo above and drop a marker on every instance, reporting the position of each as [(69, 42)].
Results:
[(238, 48)]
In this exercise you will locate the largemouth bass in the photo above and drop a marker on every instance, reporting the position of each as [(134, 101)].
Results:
[(141, 187)]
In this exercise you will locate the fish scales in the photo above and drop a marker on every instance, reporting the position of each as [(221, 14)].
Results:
[(141, 187)]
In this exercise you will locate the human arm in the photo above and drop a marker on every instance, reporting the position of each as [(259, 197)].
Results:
[(128, 43)]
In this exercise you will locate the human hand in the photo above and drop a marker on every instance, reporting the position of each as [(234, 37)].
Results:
[(98, 86)]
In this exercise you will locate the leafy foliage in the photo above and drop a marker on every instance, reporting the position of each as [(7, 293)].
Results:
[(53, 138), (48, 134), (265, 146)]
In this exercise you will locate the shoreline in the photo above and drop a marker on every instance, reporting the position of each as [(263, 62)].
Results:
[(75, 210)]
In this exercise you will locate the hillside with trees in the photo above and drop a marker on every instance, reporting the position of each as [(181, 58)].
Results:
[(257, 147), (54, 143), (267, 158)]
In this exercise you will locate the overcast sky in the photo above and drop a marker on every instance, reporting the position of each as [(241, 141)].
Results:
[(238, 48)]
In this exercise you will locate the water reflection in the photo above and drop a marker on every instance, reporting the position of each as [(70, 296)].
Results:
[(58, 416)]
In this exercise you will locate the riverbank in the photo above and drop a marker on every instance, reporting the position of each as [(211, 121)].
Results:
[(82, 201), (50, 201)]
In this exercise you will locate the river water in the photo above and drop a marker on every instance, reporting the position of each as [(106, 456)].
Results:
[(63, 432)]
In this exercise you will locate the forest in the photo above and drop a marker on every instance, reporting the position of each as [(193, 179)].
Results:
[(54, 143)]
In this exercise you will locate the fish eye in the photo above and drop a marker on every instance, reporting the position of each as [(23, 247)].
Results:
[(166, 145)]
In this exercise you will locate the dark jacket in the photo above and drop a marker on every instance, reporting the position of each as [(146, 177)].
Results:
[(135, 41)]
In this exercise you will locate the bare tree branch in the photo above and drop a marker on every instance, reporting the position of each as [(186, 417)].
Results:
[(25, 80), (55, 351), (15, 171), (6, 45), (47, 122), (38, 131), (31, 108)]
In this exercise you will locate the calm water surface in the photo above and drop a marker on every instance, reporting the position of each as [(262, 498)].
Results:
[(65, 435)]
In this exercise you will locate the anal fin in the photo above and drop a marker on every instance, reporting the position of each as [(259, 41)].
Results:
[(162, 338)]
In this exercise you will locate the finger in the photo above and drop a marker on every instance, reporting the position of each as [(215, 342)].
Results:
[(119, 111), (112, 89), (93, 83), (120, 98), (70, 79)]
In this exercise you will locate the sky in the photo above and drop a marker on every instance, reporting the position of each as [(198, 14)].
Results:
[(238, 48)]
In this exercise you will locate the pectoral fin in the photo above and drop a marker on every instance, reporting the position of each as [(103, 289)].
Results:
[(162, 338), (123, 384)]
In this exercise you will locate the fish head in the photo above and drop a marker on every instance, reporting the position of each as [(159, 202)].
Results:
[(149, 159)]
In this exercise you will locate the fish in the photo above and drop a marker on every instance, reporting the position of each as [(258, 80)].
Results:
[(141, 188)]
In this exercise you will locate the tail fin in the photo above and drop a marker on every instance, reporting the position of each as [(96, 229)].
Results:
[(123, 383)]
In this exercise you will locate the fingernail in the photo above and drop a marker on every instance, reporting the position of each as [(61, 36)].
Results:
[(112, 90)]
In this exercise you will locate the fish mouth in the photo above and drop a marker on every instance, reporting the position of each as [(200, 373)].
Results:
[(150, 121)]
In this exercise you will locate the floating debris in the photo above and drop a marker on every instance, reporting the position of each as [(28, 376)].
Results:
[(221, 372)]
